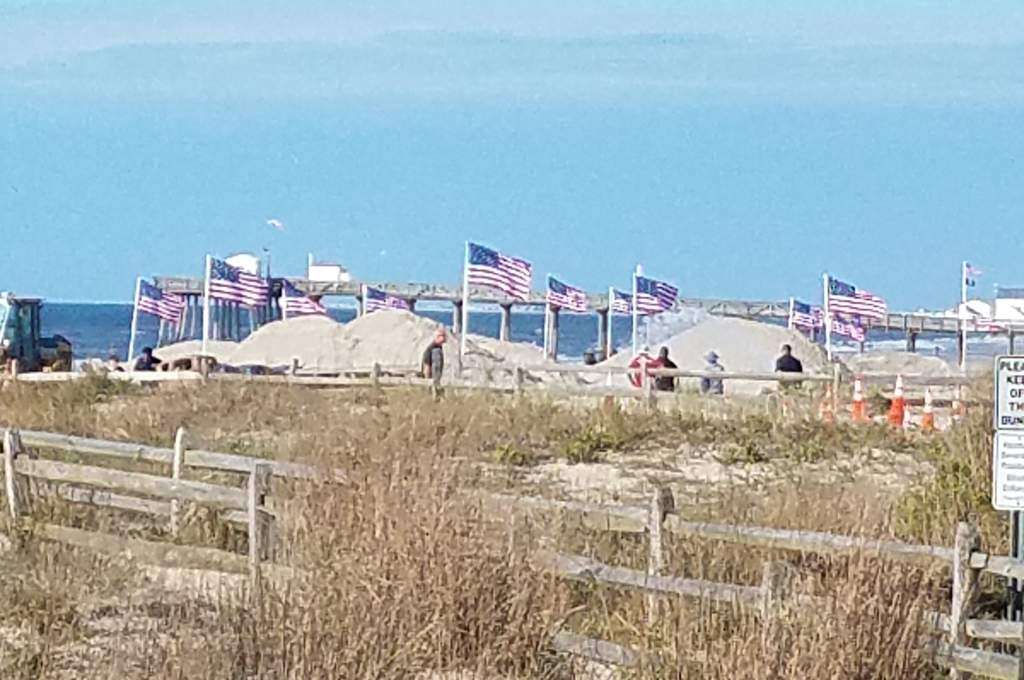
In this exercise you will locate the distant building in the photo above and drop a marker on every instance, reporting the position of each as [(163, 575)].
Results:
[(326, 272)]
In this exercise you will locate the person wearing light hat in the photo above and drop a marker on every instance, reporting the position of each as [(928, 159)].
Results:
[(710, 385)]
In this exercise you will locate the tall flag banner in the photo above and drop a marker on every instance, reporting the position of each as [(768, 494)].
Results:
[(486, 267), (375, 300), (650, 296), (151, 300), (564, 296), (621, 303), (166, 306), (848, 327), (235, 285), (844, 298), (511, 275), (804, 316), (296, 303), (653, 296), (971, 275), (968, 279)]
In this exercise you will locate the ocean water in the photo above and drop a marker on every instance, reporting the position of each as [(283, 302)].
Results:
[(102, 330)]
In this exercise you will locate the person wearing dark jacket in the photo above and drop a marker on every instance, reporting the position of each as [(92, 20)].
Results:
[(787, 363), (664, 383)]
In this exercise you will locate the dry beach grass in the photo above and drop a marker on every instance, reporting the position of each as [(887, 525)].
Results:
[(403, 578)]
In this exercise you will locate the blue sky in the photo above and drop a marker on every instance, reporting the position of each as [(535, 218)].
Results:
[(738, 149)]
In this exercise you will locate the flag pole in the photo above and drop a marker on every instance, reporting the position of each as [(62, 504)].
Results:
[(363, 288), (135, 321), (608, 344), (547, 323), (464, 331), (636, 319), (962, 315), (284, 300), (792, 303), (206, 304), (827, 316)]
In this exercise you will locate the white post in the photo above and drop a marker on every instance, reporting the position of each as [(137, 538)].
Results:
[(206, 305), (608, 344), (962, 315), (465, 308), (135, 321), (636, 315), (792, 304), (547, 329), (826, 316), (176, 464), (10, 480)]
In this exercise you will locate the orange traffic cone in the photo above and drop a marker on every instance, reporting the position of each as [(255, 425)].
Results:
[(928, 419), (860, 413), (898, 405), (825, 407)]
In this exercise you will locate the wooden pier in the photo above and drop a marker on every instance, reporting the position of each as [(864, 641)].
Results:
[(912, 324)]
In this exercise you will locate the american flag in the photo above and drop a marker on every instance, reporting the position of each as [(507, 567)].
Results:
[(166, 306), (621, 303), (803, 315), (565, 296), (490, 268), (653, 296), (374, 299), (235, 285), (845, 299), (297, 303), (971, 275), (848, 327)]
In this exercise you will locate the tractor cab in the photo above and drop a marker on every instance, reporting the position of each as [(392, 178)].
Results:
[(21, 337)]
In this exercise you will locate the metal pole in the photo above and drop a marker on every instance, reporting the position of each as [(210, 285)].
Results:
[(135, 321), (636, 316), (827, 317), (465, 308), (609, 323), (206, 305), (961, 315)]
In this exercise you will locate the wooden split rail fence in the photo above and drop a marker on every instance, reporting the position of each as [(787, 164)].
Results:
[(163, 496), (965, 560), (27, 475)]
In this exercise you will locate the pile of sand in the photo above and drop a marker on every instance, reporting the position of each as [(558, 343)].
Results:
[(906, 363), (220, 350), (743, 346), (314, 341), (392, 338)]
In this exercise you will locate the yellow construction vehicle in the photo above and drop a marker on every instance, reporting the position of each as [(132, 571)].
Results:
[(22, 347)]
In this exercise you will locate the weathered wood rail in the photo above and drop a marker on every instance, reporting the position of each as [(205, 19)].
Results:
[(965, 562), (26, 475)]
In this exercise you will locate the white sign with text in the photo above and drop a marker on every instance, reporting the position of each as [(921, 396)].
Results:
[(1008, 471), (1009, 395)]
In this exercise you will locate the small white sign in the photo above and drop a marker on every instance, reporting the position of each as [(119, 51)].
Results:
[(1009, 412), (1008, 471)]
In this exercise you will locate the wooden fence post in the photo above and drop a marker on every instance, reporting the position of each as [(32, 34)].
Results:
[(662, 503), (259, 485), (10, 481), (776, 586), (965, 586), (520, 379), (177, 461), (375, 375)]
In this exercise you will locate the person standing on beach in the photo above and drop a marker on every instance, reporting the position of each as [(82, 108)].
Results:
[(433, 358), (787, 363), (665, 383), (710, 385)]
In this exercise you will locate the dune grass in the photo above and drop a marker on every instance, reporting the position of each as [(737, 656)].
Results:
[(402, 577)]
